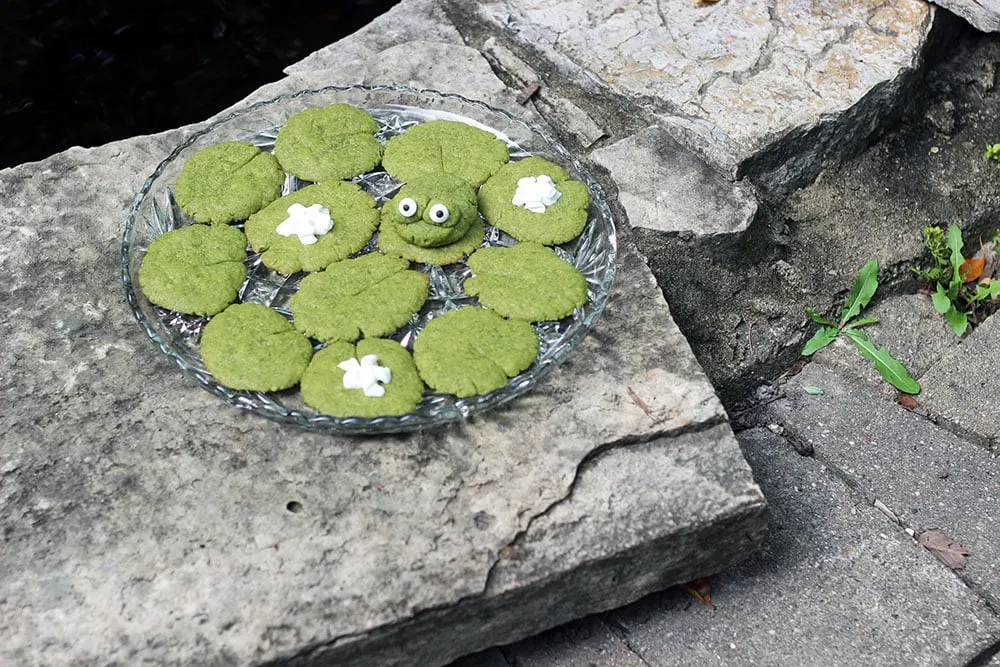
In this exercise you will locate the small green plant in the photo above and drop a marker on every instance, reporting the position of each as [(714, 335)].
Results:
[(957, 295), (993, 153), (850, 324)]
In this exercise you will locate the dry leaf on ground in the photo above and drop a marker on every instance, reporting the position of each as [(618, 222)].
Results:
[(947, 550), (971, 269), (701, 589)]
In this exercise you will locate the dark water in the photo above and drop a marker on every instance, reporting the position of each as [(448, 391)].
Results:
[(85, 72)]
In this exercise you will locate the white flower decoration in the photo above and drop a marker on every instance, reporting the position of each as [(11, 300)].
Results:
[(367, 375)]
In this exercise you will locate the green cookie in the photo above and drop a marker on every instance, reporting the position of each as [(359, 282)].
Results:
[(372, 295), (526, 282), (196, 269), (354, 216), (473, 351), (445, 146), (323, 382), (228, 182), (249, 346), (392, 244), (328, 144), (432, 211), (561, 222)]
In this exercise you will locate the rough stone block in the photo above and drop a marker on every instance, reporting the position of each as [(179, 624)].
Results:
[(666, 188), (144, 520), (769, 89)]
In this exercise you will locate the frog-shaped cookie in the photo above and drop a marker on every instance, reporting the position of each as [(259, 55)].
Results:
[(432, 219)]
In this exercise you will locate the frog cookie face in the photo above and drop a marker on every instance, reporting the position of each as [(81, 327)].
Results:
[(432, 211)]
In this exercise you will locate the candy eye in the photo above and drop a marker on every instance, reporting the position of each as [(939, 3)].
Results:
[(439, 213), (408, 207)]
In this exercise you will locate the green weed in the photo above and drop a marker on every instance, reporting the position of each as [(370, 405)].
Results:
[(850, 324)]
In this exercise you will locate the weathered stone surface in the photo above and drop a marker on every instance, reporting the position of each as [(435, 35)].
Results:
[(836, 584), (920, 474), (982, 14), (961, 388), (557, 110), (408, 21), (666, 188), (144, 520), (769, 88)]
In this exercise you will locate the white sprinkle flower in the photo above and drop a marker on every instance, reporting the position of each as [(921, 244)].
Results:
[(306, 223), (366, 375), (536, 193)]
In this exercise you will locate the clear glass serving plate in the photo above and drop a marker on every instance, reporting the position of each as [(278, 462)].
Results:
[(155, 212)]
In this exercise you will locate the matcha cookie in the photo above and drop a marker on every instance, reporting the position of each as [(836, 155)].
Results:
[(352, 211), (249, 346), (535, 200), (473, 351), (228, 182), (197, 270), (372, 295), (341, 365), (445, 146), (526, 282), (328, 144), (432, 219), (394, 245)]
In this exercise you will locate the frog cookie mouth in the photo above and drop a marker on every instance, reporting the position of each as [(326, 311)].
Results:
[(432, 211)]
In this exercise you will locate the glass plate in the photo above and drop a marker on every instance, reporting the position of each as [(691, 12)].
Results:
[(177, 336)]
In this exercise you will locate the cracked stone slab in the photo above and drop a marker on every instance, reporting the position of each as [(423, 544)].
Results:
[(145, 520), (835, 584), (918, 473), (767, 88), (666, 188), (961, 387)]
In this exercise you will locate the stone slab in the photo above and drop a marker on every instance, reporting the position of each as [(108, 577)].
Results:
[(920, 474), (835, 584), (666, 188), (768, 88), (144, 520), (961, 388)]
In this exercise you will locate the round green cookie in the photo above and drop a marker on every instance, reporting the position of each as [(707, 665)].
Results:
[(432, 211), (561, 222), (328, 144), (228, 182), (355, 218), (196, 269), (446, 146), (323, 389), (391, 243), (526, 282), (473, 351), (249, 346), (372, 295)]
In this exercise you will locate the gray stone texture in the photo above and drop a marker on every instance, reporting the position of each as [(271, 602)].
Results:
[(146, 521), (835, 584), (982, 14), (770, 88), (918, 473), (962, 387), (666, 188)]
